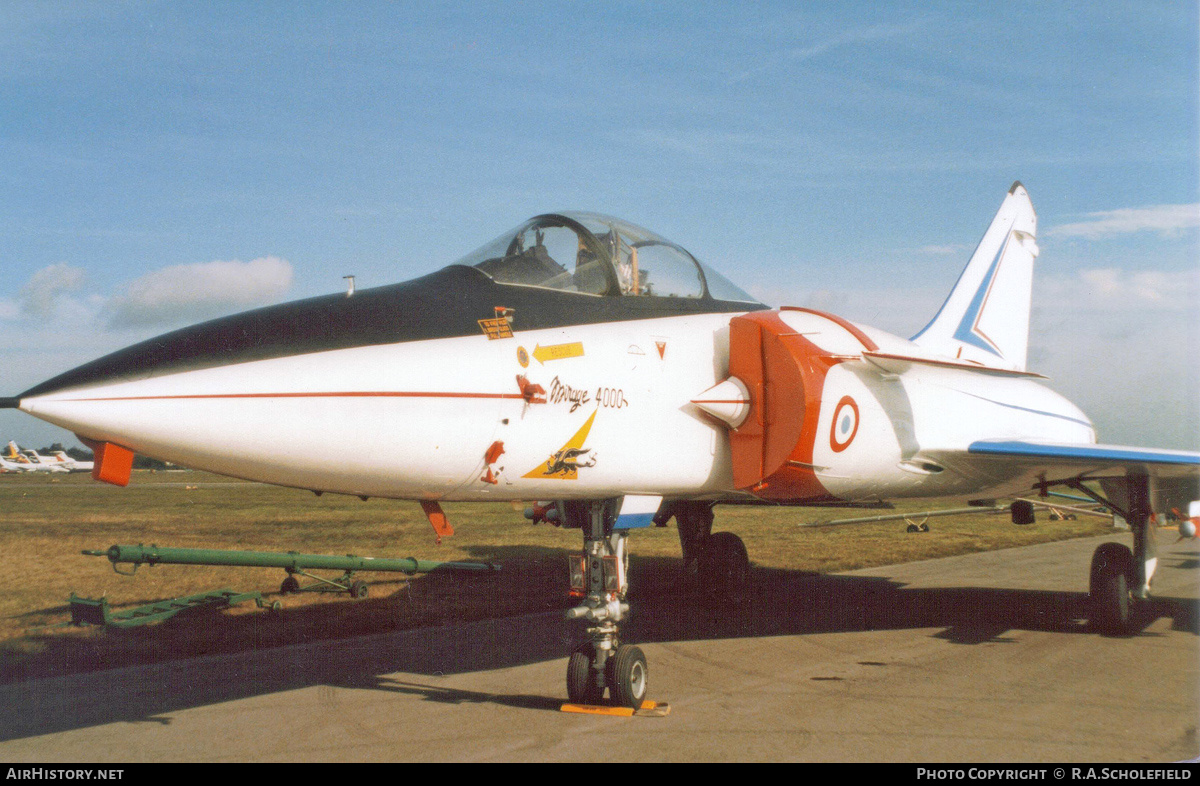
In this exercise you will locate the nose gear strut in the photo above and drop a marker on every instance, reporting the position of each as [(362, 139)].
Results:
[(603, 663)]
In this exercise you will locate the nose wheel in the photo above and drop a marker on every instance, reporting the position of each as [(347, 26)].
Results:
[(627, 673), (603, 664), (624, 674), (585, 685)]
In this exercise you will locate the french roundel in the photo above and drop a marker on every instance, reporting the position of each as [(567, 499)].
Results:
[(845, 424)]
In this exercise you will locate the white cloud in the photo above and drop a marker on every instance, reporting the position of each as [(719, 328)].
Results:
[(1111, 289), (902, 310), (944, 251), (197, 291), (847, 38), (37, 298), (1163, 219), (1132, 371), (1120, 344)]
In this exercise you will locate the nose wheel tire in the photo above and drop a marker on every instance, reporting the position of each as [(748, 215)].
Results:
[(627, 676), (1112, 608), (584, 684)]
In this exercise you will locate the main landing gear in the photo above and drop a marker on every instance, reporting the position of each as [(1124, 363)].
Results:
[(1112, 575), (1120, 578), (603, 662), (717, 562)]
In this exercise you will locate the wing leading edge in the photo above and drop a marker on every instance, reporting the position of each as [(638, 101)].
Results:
[(1075, 455), (1018, 467)]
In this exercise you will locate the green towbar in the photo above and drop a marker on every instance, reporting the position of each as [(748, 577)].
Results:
[(291, 561)]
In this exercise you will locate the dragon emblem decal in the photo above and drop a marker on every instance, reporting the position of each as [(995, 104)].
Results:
[(565, 462)]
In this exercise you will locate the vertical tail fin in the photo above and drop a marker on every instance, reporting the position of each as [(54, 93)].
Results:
[(986, 317)]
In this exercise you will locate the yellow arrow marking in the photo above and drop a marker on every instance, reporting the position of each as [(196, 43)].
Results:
[(558, 351)]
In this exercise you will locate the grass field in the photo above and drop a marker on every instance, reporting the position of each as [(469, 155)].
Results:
[(46, 521)]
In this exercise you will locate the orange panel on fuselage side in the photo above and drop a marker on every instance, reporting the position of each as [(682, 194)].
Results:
[(746, 363), (785, 374)]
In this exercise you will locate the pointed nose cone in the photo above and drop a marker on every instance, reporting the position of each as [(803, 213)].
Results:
[(192, 395), (728, 401)]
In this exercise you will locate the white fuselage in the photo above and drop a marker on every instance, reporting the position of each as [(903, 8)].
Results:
[(416, 419)]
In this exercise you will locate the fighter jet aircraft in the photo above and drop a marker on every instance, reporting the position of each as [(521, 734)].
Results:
[(594, 366)]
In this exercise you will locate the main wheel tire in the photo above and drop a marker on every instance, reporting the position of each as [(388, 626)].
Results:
[(1112, 609), (627, 676), (725, 569), (583, 683), (289, 585), (358, 590)]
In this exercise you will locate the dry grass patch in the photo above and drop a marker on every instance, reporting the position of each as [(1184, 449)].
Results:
[(45, 524)]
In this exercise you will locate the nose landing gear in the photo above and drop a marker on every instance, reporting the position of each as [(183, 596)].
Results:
[(717, 562), (603, 663)]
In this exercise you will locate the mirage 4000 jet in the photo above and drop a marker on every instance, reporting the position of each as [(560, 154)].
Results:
[(601, 370)]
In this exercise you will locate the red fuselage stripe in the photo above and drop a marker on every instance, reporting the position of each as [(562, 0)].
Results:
[(342, 394)]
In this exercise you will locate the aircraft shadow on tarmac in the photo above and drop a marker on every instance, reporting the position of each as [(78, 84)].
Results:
[(780, 603), (791, 602)]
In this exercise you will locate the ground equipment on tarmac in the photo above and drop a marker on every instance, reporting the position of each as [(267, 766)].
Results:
[(88, 611), (295, 563)]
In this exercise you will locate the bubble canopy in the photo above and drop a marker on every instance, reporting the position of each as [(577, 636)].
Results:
[(598, 255)]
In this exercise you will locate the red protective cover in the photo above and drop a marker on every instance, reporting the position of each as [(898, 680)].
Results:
[(112, 463)]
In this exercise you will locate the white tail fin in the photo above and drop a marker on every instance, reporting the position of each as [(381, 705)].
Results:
[(986, 317)]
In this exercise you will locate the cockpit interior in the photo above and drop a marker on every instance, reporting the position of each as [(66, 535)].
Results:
[(598, 255)]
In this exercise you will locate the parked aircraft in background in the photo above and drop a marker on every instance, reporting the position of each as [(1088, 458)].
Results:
[(30, 460), (60, 458), (8, 465), (588, 363)]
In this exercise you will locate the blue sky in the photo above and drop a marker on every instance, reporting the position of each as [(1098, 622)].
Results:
[(167, 162)]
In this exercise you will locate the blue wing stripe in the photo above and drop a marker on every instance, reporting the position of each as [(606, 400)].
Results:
[(1085, 452)]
